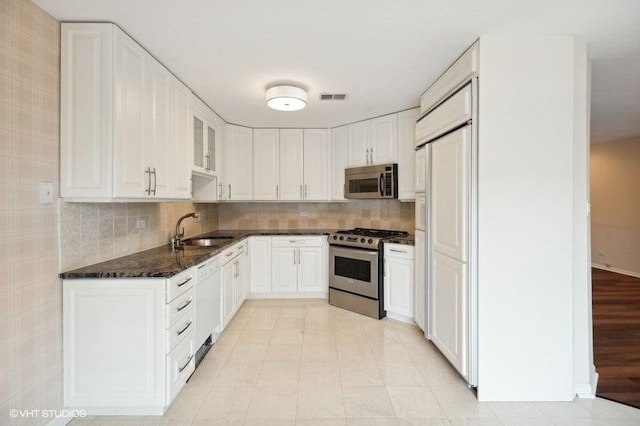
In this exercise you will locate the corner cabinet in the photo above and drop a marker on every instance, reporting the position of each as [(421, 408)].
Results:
[(238, 154), (122, 119), (128, 343)]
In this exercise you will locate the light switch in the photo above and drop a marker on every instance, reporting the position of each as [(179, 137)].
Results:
[(46, 192)]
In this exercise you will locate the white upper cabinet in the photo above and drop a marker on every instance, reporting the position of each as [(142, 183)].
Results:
[(406, 154), (118, 133), (180, 163), (456, 76), (358, 144), (132, 174), (373, 141), (316, 164), (291, 164), (206, 139), (384, 139), (239, 163), (266, 164), (339, 137), (159, 147)]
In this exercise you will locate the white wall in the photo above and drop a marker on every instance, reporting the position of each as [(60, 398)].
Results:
[(526, 217), (615, 206)]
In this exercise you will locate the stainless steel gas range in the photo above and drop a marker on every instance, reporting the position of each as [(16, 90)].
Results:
[(355, 270)]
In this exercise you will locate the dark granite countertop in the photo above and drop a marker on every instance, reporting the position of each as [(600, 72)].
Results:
[(162, 262)]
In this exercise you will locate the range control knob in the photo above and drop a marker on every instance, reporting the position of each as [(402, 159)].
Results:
[(370, 241), (335, 237), (362, 240), (341, 238)]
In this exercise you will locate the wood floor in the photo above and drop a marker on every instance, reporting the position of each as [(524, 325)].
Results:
[(616, 336)]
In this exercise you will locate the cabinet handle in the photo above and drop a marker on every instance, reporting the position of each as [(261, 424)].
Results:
[(185, 328), (305, 191), (148, 190), (230, 254), (229, 191), (155, 180), (371, 155), (187, 303), (398, 251), (208, 162), (384, 268), (298, 250), (367, 157), (220, 196), (277, 192), (184, 282), (186, 365), (296, 241)]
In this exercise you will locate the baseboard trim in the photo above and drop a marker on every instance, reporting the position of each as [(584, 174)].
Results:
[(616, 270), (588, 391)]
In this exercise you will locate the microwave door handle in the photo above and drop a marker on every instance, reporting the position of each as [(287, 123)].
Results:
[(382, 184)]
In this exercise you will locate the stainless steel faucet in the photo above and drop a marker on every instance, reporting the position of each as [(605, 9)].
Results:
[(176, 241)]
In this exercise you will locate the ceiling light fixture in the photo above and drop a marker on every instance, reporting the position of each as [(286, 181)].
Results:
[(286, 98)]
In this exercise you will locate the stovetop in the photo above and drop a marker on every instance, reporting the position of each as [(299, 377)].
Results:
[(363, 237)]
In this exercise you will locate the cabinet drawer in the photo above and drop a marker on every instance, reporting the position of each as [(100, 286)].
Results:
[(447, 116), (400, 251), (454, 77), (180, 283), (297, 241), (180, 330), (233, 251), (179, 306), (180, 364)]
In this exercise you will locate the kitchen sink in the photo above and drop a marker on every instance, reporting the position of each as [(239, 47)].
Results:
[(206, 241)]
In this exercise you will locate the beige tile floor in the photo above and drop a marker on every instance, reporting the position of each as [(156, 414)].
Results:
[(303, 362)]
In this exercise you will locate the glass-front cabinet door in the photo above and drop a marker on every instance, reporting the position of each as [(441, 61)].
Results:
[(198, 143), (210, 155), (204, 144)]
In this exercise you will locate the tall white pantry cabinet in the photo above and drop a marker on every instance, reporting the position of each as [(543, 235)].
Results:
[(507, 259)]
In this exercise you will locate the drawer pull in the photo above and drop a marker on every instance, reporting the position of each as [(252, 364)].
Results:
[(184, 282), (398, 251), (185, 328), (187, 303), (230, 254), (296, 241), (181, 369)]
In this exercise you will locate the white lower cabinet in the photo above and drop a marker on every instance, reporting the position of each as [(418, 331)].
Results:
[(398, 281), (299, 265), (234, 280), (260, 265), (126, 351)]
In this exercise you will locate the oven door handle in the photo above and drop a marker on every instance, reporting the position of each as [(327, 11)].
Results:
[(382, 184)]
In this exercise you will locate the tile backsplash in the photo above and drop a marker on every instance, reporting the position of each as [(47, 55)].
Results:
[(95, 232), (383, 214)]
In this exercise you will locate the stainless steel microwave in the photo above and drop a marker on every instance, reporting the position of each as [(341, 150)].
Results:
[(371, 182)]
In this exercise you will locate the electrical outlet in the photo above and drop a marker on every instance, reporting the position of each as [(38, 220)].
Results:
[(200, 217), (602, 253), (140, 224)]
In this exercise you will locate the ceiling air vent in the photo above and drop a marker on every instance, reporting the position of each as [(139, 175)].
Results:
[(333, 96)]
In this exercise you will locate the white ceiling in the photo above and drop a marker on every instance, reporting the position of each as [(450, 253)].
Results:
[(382, 53)]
